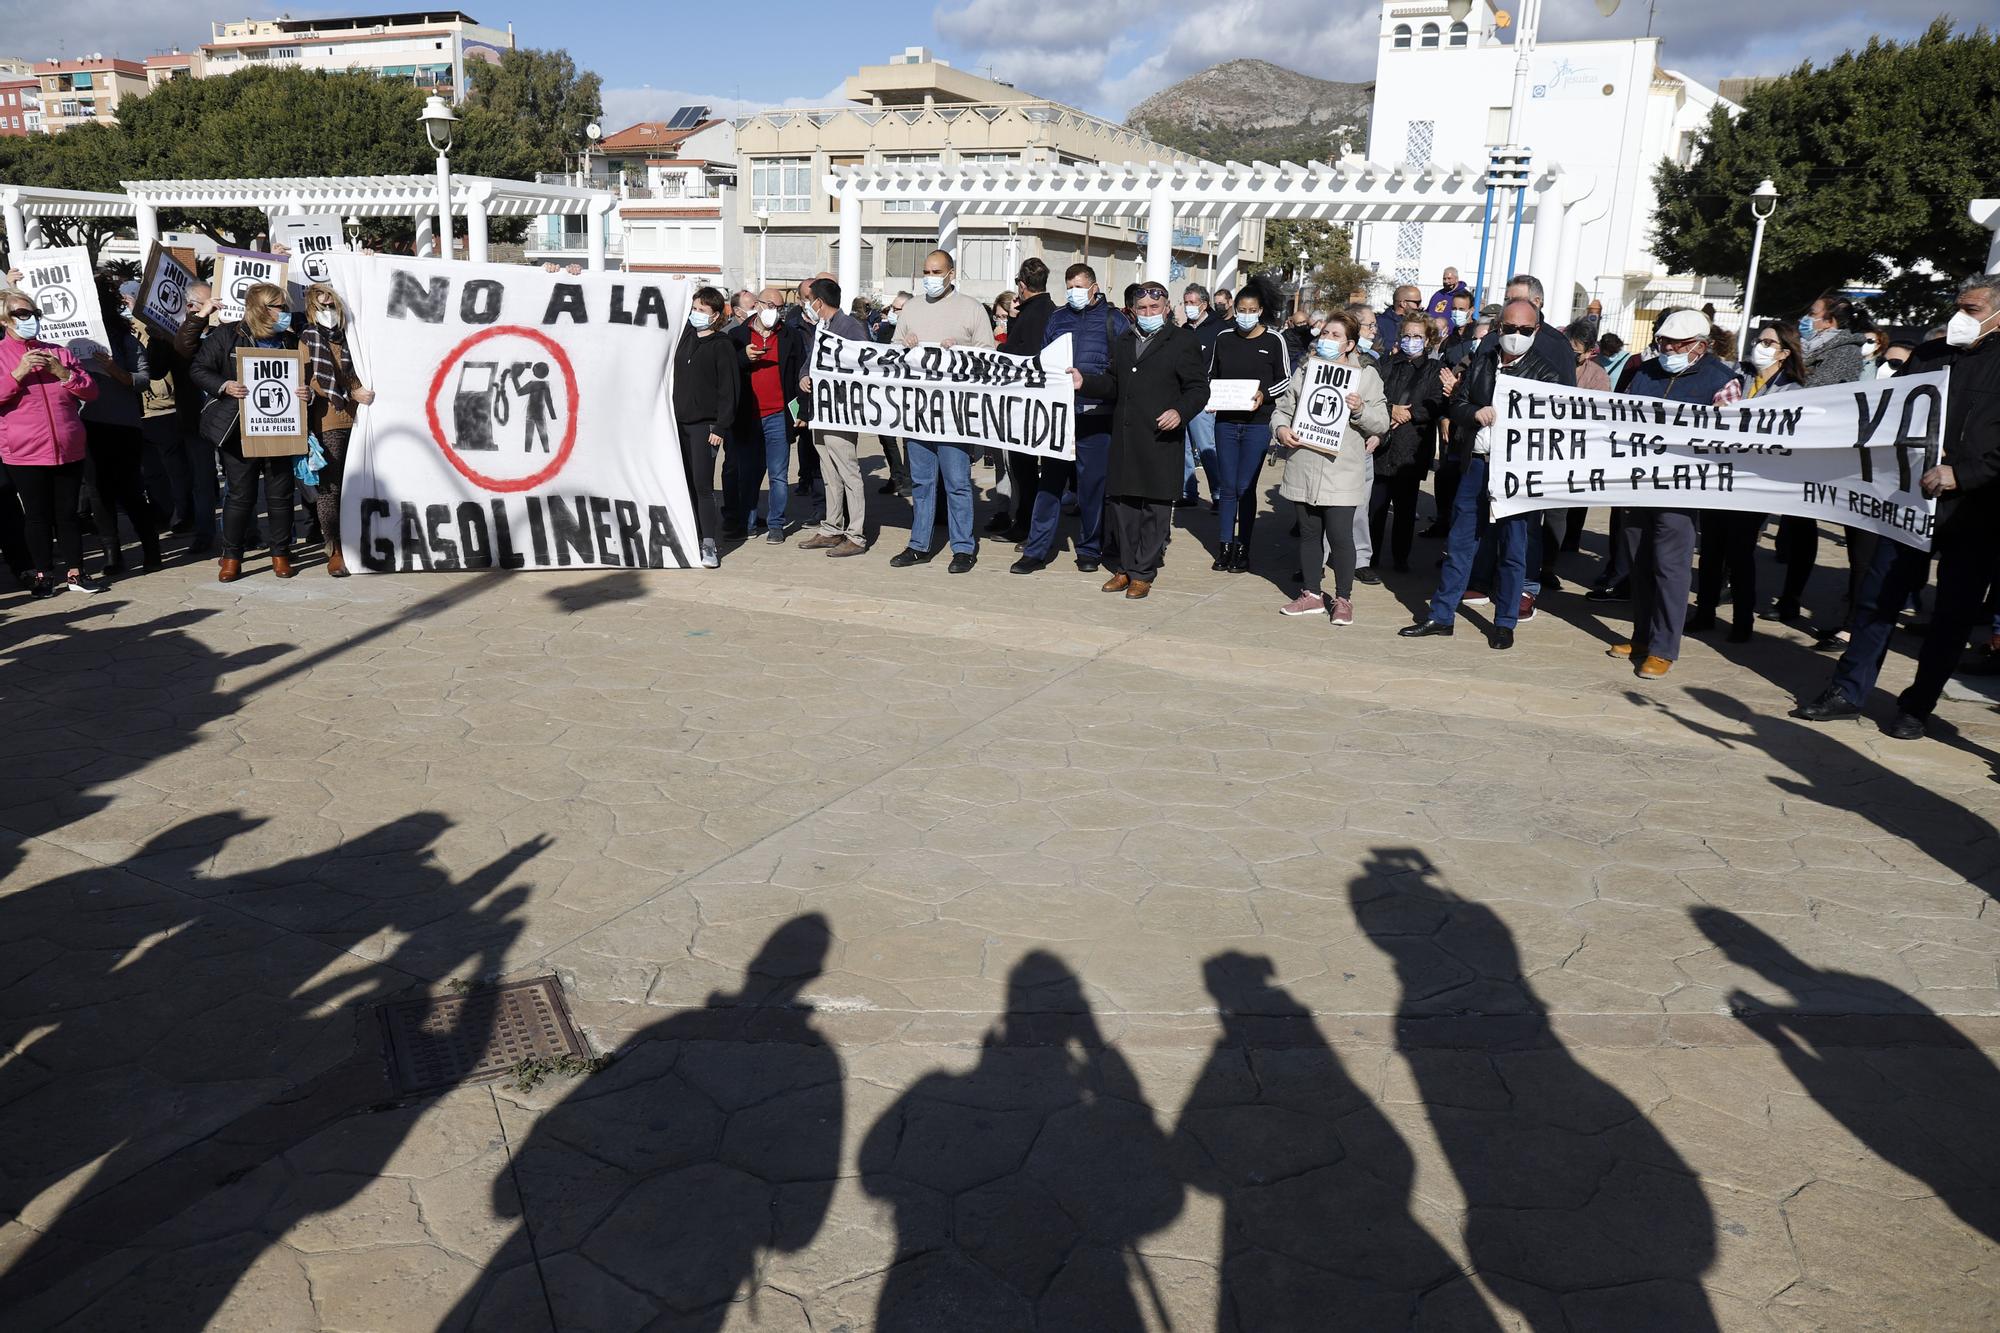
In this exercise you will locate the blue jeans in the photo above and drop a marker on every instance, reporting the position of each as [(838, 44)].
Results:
[(1239, 456), (1488, 560), (752, 454), (1093, 463), (928, 463), (1469, 523), (1894, 576), (1200, 450)]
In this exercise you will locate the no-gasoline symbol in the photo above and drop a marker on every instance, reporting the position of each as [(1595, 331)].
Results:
[(1323, 406), (503, 402), (272, 399), (56, 302), (315, 266), (239, 288)]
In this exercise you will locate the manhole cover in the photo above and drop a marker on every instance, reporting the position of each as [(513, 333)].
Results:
[(439, 1041)]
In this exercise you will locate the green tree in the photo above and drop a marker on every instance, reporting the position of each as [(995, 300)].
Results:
[(1875, 158), (527, 114), (1330, 267)]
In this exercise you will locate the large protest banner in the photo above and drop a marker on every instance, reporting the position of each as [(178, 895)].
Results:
[(1845, 453), (237, 271), (522, 419), (64, 287), (952, 395)]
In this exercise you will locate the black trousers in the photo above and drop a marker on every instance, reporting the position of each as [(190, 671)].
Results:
[(13, 532), (1394, 494), (1137, 528), (698, 457), (48, 506), (1798, 540), (1445, 489), (116, 455), (1968, 565), (1024, 475), (899, 463), (1322, 527), (243, 474), (1729, 547)]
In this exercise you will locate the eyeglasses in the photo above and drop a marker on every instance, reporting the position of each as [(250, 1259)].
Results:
[(1517, 328), (1150, 290)]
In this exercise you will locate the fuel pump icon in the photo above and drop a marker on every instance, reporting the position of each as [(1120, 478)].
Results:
[(479, 404)]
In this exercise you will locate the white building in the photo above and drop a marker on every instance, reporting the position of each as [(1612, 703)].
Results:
[(1606, 112), (430, 49)]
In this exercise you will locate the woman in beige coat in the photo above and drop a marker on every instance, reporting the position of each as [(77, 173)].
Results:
[(1327, 488)]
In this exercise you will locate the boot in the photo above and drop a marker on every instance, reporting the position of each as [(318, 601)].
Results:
[(336, 563), (281, 565), (229, 570)]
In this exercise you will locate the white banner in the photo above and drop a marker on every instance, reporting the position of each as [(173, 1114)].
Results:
[(237, 271), (1845, 453), (62, 284), (952, 395), (311, 238), (1320, 423), (522, 419)]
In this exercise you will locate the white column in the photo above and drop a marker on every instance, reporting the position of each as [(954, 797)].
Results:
[(1542, 247), (1986, 212), (595, 238), (947, 234), (475, 223), (147, 223), (850, 246), (1561, 277), (1229, 249), (1160, 235), (17, 232), (426, 235)]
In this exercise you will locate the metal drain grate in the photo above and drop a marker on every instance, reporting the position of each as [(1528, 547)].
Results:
[(439, 1041)]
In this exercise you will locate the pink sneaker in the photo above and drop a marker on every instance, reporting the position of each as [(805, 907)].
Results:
[(1305, 604), (1343, 611)]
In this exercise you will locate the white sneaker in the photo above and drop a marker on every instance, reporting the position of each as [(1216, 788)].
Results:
[(84, 583), (709, 558)]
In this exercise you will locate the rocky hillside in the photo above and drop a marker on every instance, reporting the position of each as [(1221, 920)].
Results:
[(1246, 109)]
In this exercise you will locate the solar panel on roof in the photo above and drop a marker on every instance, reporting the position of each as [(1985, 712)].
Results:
[(688, 117)]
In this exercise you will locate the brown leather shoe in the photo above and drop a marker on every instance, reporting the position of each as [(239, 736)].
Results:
[(281, 565), (819, 541), (1655, 667), (228, 571), (845, 547), (1619, 650), (1117, 583), (1138, 588), (336, 563)]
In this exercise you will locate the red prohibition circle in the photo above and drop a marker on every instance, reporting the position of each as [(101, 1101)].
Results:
[(480, 479)]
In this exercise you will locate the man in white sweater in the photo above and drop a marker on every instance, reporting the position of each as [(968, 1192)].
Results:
[(941, 313)]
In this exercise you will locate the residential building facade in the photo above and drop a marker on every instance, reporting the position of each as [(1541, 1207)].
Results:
[(86, 89), (20, 107), (174, 64), (430, 49)]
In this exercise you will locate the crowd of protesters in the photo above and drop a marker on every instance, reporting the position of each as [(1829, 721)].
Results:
[(140, 431)]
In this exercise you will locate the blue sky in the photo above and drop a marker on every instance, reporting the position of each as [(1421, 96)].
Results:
[(1103, 55)]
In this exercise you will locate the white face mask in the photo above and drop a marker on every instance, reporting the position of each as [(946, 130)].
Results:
[(1887, 370), (1193, 312), (1516, 344), (1962, 330), (1764, 356), (933, 285), (768, 318), (1675, 363), (811, 315), (1078, 297), (327, 319)]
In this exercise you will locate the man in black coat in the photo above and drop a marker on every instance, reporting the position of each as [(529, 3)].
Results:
[(1966, 538), (1026, 332), (1157, 382)]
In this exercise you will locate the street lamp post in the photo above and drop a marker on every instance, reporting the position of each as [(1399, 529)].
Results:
[(438, 122), (1763, 203), (353, 225), (763, 252), (1302, 282)]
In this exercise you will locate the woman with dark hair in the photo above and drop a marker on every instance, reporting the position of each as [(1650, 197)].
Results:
[(336, 392), (705, 384), (1729, 537), (1831, 333), (265, 323), (112, 422), (1249, 351), (1415, 396)]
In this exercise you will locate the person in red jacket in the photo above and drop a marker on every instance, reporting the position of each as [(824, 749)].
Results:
[(42, 391)]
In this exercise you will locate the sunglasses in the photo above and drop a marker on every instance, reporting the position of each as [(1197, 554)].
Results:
[(1517, 328)]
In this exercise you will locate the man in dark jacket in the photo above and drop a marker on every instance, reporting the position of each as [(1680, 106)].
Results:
[(1389, 323), (1094, 328), (760, 446), (1663, 568), (843, 530), (1966, 484), (1026, 333), (1156, 382), (705, 385), (1472, 415), (1439, 306)]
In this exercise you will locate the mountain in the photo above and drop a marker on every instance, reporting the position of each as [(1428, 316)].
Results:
[(1250, 109)]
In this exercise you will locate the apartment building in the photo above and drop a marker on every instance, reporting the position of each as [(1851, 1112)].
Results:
[(919, 110), (20, 106), (174, 64), (430, 49), (87, 88)]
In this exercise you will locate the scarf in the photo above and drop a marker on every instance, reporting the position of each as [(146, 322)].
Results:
[(323, 370)]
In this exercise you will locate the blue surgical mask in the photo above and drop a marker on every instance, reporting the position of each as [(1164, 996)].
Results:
[(282, 321), (1461, 318), (1806, 329), (1367, 344), (1151, 323), (1675, 363), (1193, 312), (1330, 349), (1247, 320), (28, 326), (700, 319), (1078, 297), (1413, 346), (933, 285)]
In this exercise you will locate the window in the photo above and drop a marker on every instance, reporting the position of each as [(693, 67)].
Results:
[(982, 263), (903, 259), (1402, 36), (1496, 126), (988, 159), (781, 184), (910, 160), (1458, 35), (1429, 39), (285, 53), (80, 82)]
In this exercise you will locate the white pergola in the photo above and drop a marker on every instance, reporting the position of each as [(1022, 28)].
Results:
[(475, 198), (1163, 193)]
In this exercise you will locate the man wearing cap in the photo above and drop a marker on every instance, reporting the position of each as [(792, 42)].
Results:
[(1663, 570)]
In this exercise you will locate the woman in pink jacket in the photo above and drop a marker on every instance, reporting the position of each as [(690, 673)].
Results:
[(42, 388)]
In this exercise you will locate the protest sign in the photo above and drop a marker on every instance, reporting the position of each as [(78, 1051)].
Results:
[(1321, 419), (272, 416), (952, 395), (62, 284), (1232, 395), (522, 419), (237, 271), (1846, 453), (310, 238), (163, 288)]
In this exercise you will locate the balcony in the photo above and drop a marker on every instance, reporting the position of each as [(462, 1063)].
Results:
[(539, 245)]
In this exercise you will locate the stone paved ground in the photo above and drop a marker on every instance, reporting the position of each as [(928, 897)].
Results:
[(979, 953)]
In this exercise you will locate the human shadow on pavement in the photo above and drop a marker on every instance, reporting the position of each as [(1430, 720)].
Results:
[(1022, 1187), (1579, 1214), (652, 1193), (171, 1043), (1315, 1182), (1899, 1077)]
